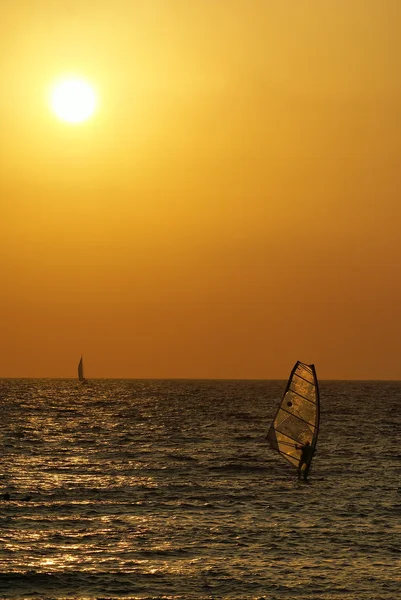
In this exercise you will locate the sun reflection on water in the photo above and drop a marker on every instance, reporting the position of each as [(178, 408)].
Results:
[(132, 480)]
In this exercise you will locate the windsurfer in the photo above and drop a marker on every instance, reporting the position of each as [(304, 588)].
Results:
[(306, 458)]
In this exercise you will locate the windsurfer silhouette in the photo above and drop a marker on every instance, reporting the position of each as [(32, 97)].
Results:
[(306, 458)]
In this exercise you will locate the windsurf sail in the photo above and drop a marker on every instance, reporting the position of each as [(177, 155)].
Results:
[(81, 376), (297, 418)]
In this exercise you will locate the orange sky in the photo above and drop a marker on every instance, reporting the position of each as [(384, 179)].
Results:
[(233, 207)]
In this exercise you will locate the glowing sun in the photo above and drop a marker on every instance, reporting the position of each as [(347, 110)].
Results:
[(73, 100)]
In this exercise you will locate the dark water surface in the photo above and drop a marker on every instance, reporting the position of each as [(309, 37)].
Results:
[(167, 489)]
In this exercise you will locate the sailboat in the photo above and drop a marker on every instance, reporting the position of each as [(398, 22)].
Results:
[(81, 376), (297, 419)]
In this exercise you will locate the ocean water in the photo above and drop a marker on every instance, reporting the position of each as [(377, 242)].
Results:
[(167, 489)]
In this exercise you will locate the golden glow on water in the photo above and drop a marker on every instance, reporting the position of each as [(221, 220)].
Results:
[(170, 480), (61, 561)]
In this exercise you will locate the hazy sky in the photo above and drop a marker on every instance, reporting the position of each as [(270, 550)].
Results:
[(234, 205)]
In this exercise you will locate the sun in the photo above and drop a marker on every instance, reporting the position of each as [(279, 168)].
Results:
[(73, 100)]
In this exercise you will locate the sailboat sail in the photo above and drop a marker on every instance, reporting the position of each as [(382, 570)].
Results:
[(297, 418), (81, 370)]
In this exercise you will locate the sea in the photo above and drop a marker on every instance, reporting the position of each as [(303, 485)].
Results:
[(167, 489)]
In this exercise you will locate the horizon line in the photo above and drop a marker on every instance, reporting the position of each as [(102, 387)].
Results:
[(191, 379)]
